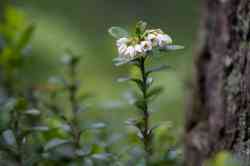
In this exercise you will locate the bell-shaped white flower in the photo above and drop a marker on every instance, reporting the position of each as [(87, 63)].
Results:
[(130, 52), (163, 40), (146, 46), (152, 38), (122, 49), (122, 41), (138, 48)]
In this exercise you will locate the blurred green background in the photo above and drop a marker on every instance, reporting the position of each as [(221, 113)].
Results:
[(82, 25)]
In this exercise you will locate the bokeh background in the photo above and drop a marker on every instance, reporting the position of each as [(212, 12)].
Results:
[(82, 25)]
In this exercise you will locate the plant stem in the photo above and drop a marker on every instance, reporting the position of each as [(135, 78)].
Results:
[(17, 132), (74, 105), (145, 131)]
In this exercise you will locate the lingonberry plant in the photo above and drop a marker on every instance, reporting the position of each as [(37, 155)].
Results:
[(15, 35), (20, 122), (137, 49), (65, 105)]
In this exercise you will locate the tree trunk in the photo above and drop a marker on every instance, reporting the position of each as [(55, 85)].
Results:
[(218, 117)]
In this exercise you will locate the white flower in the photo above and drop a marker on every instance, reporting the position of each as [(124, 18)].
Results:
[(153, 39), (163, 40), (122, 49), (130, 52), (122, 41), (138, 48), (146, 46)]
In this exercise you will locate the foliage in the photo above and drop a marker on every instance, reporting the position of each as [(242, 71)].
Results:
[(15, 36), (67, 146), (223, 159), (45, 125)]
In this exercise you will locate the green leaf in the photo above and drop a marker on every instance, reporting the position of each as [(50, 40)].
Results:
[(141, 27), (157, 69), (118, 32), (9, 137), (120, 61), (155, 92), (123, 79), (131, 97), (84, 151), (88, 162), (99, 125), (70, 58), (65, 127), (128, 78), (139, 83), (55, 143), (135, 122), (84, 96), (223, 159), (149, 81), (40, 128), (173, 47), (140, 104), (25, 37), (21, 104), (102, 156), (33, 112)]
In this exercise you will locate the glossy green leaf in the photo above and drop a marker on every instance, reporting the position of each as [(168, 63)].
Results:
[(33, 112), (25, 37), (157, 68), (21, 104), (102, 156), (9, 137), (141, 27), (123, 78), (140, 104), (118, 32), (173, 47), (88, 162), (40, 128), (99, 125), (66, 127), (55, 143), (120, 61), (149, 81), (86, 150), (155, 92)]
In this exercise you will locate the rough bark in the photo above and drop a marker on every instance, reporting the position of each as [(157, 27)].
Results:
[(218, 117)]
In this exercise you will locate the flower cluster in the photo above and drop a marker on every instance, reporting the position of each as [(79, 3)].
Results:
[(131, 48)]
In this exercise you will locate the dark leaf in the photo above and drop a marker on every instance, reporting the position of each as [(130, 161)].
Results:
[(140, 104), (21, 104), (155, 92), (25, 38)]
